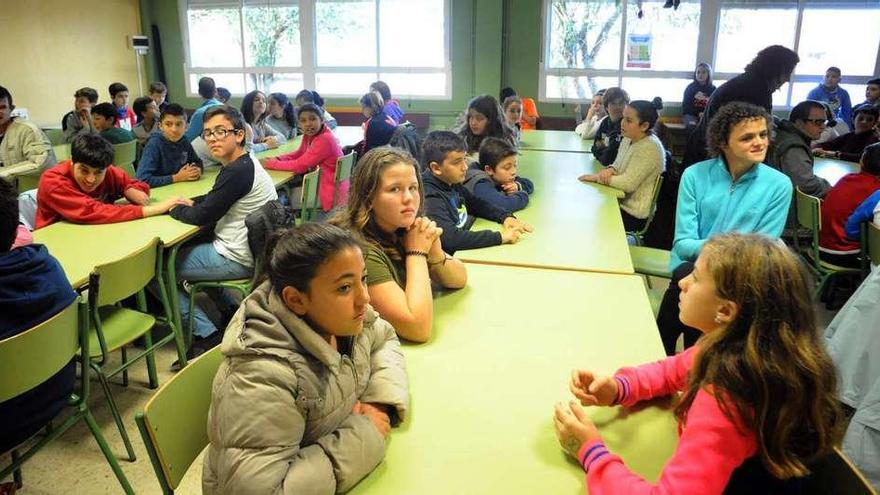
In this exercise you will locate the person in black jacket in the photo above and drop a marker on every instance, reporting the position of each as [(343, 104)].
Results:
[(608, 136), (451, 206), (697, 95)]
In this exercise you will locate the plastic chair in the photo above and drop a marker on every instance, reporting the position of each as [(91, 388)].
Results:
[(124, 155), (173, 422), (870, 247), (113, 326), (343, 173), (32, 357), (639, 235), (311, 204), (62, 151), (55, 136), (26, 182), (808, 210), (836, 474)]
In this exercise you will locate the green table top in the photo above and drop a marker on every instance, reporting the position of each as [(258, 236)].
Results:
[(577, 226), (484, 388), (554, 141), (832, 170)]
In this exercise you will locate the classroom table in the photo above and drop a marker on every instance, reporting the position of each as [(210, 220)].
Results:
[(483, 390), (577, 226), (832, 169), (347, 135), (567, 141)]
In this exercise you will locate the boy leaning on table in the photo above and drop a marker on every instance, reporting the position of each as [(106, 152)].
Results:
[(168, 157), (84, 189)]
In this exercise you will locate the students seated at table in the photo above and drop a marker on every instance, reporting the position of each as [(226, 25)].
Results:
[(392, 106), (253, 108), (104, 118), (869, 209), (23, 146), (494, 178), (606, 141), (125, 117), (318, 149), (840, 204), (836, 97), (791, 153), (872, 93), (307, 96), (312, 379), (588, 127), (33, 288), (379, 126), (208, 92), (452, 206), (850, 145), (484, 118), (168, 157), (241, 187), (758, 405), (403, 251), (79, 120), (732, 192), (640, 161), (148, 117), (513, 111), (282, 115), (85, 188), (158, 92), (696, 95), (529, 120)]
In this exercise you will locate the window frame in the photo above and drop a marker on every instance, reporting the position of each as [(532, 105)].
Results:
[(309, 55)]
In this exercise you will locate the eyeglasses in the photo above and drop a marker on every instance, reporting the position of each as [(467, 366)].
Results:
[(818, 122), (217, 132)]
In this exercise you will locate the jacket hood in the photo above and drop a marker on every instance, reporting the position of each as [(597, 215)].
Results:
[(21, 270), (788, 126), (434, 185)]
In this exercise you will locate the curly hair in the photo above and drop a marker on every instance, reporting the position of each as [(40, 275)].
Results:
[(773, 62), (727, 117)]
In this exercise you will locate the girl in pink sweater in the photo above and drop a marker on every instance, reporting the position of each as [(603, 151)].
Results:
[(318, 148), (758, 386)]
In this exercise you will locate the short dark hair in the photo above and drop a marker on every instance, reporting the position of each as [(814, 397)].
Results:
[(207, 88), (223, 94), (230, 113), (867, 109), (115, 88), (158, 87), (89, 93), (647, 111), (140, 105), (174, 110), (614, 94), (92, 150), (312, 108), (871, 159), (8, 215), (726, 118), (493, 150), (801, 111), (382, 88), (106, 110), (833, 69), (875, 81), (310, 96), (773, 62), (438, 144), (506, 93), (4, 93)]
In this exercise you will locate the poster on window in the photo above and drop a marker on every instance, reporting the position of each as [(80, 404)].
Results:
[(638, 51)]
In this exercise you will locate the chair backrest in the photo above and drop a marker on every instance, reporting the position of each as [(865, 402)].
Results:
[(808, 210), (55, 136), (114, 281), (173, 423), (124, 155), (871, 242), (32, 357), (62, 151), (310, 200), (654, 196), (343, 173), (836, 474)]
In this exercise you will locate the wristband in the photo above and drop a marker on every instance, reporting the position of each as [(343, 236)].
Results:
[(417, 253)]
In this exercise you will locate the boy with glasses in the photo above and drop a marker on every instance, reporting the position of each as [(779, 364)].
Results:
[(791, 153)]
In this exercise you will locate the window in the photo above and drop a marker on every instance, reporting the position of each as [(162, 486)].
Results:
[(335, 46)]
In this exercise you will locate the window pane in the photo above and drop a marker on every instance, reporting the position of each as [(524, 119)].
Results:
[(233, 82), (673, 38), (412, 33), (288, 83), (765, 27), (415, 84), (669, 89), (347, 33), (353, 84), (214, 37), (585, 34), (272, 37), (854, 51), (576, 88)]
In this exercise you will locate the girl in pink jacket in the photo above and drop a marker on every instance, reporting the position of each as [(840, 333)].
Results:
[(758, 403)]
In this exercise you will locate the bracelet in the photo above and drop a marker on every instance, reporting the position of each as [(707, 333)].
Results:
[(417, 253)]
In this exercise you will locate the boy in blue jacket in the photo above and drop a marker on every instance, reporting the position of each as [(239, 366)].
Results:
[(494, 178), (168, 157), (447, 203)]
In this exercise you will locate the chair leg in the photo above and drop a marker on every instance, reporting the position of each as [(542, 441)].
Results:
[(115, 411), (16, 473), (108, 454), (151, 360), (193, 290), (124, 371)]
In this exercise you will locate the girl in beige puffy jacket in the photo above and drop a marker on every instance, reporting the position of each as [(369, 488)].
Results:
[(312, 379)]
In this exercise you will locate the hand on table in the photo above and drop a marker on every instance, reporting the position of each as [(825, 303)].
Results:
[(510, 188), (376, 414), (271, 142), (592, 390), (604, 176), (514, 224), (188, 172), (137, 197), (421, 235), (573, 428), (589, 178)]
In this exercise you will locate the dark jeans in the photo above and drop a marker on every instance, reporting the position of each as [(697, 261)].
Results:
[(667, 317), (631, 223), (847, 260)]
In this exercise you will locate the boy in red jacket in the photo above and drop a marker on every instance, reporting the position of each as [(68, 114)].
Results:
[(84, 189)]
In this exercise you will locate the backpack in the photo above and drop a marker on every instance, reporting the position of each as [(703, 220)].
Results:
[(406, 137), (262, 223), (661, 233)]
